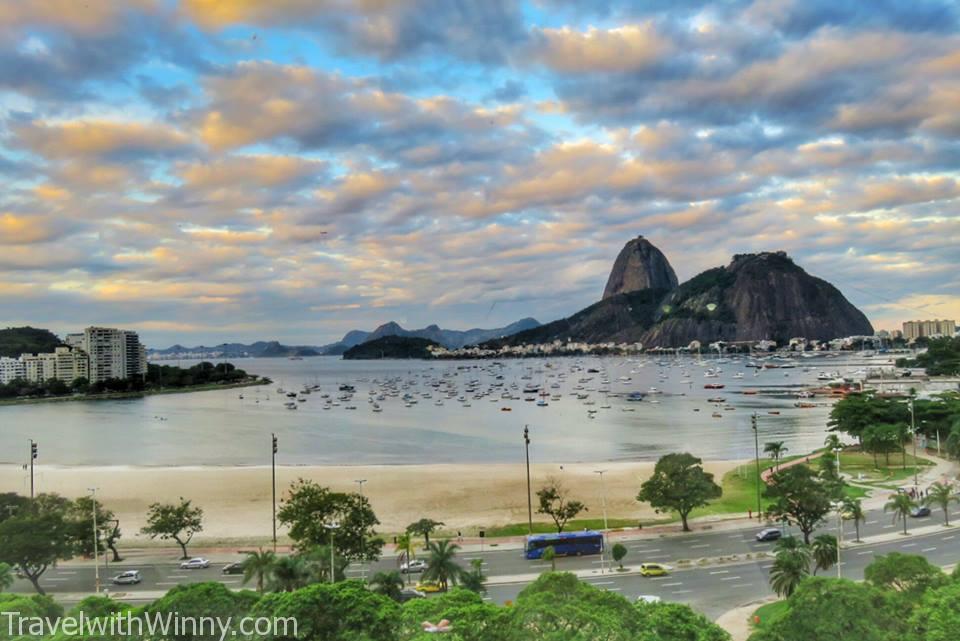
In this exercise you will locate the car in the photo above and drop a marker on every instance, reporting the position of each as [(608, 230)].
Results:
[(130, 577), (416, 565), (409, 594), (233, 568), (648, 598), (769, 534), (654, 569), (198, 563), (428, 586), (920, 512)]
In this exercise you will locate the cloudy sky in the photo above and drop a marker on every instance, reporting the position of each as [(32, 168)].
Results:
[(207, 170)]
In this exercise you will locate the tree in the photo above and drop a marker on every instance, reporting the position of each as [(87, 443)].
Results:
[(854, 413), (937, 617), (901, 505), (473, 619), (424, 527), (316, 562), (824, 552), (108, 530), (405, 545), (791, 566), (832, 442), (37, 536), (953, 441), (619, 551), (6, 577), (679, 622), (886, 439), (555, 502), (800, 497), (473, 579), (259, 565), (310, 507), (550, 554), (853, 511), (174, 521), (941, 495), (441, 566), (775, 449), (388, 583), (289, 573), (908, 574), (679, 484), (195, 600)]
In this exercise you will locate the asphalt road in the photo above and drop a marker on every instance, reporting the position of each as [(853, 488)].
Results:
[(711, 590)]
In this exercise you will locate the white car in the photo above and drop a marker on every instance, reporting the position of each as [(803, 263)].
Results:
[(130, 577), (415, 565), (648, 598), (198, 563)]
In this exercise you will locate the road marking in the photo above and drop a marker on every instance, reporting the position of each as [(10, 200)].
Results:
[(928, 549), (887, 527), (681, 591), (66, 572), (178, 576), (720, 572), (909, 545), (168, 583), (541, 565), (702, 545), (870, 522), (53, 579), (612, 589), (741, 585), (734, 536), (600, 582), (766, 567), (731, 578), (645, 550), (670, 585), (947, 538), (864, 552), (659, 578)]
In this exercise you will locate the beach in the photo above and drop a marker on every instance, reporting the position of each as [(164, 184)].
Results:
[(236, 500)]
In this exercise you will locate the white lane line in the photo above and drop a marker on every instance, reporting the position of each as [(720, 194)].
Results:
[(178, 576), (646, 550), (730, 578), (66, 572), (659, 578), (909, 545), (741, 585), (720, 572), (734, 536), (947, 538), (702, 545), (613, 589), (538, 565), (596, 582), (889, 525), (765, 567), (670, 585), (168, 583), (923, 550), (681, 591), (53, 579), (870, 522), (864, 552)]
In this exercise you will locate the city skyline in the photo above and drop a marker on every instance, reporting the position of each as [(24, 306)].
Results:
[(209, 172)]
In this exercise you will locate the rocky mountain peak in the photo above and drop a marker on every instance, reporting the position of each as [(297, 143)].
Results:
[(639, 265)]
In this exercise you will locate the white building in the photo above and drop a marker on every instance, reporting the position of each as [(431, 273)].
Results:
[(114, 353), (64, 363), (11, 369)]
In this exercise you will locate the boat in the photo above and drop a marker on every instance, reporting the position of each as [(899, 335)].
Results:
[(542, 403), (774, 412), (717, 415), (506, 409), (803, 405), (714, 386), (290, 405), (716, 399)]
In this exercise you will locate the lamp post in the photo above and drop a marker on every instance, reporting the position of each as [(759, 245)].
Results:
[(363, 562), (332, 526), (838, 505), (603, 502), (526, 441), (96, 546), (756, 448), (913, 431), (273, 483), (33, 457), (837, 451)]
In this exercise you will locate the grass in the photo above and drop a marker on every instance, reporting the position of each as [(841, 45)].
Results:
[(855, 463), (739, 491), (766, 613), (520, 529)]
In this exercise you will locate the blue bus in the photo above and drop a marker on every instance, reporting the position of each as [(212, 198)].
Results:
[(564, 544)]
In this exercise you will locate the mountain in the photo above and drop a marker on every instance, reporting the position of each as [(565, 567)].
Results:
[(640, 265), (449, 338), (755, 297), (391, 346), (259, 349), (15, 341)]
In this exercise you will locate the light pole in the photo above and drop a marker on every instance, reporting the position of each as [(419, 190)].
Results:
[(332, 526), (756, 448), (363, 563), (526, 441), (96, 546), (273, 484), (33, 457), (839, 507), (913, 431), (603, 502), (837, 451)]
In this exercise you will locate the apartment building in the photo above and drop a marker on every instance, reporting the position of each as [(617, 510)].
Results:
[(11, 369), (64, 363), (114, 353), (913, 330)]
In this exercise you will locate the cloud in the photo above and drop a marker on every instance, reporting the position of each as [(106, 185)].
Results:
[(106, 140), (617, 50)]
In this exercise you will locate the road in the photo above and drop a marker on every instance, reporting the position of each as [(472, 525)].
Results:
[(712, 590)]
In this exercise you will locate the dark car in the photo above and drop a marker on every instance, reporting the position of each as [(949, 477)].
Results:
[(233, 568), (408, 594), (920, 512), (769, 534)]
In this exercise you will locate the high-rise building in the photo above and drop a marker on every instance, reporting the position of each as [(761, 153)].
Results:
[(64, 363), (114, 353), (913, 330), (11, 369)]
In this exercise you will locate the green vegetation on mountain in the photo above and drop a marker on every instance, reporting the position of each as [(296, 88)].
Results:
[(15, 341), (942, 357), (391, 347)]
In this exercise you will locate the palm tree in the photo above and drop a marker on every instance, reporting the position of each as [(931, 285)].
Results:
[(853, 511), (389, 584), (775, 449), (289, 574), (901, 505), (441, 566), (832, 442), (550, 554), (405, 544), (258, 564), (473, 579), (824, 551), (941, 495), (6, 577), (790, 567)]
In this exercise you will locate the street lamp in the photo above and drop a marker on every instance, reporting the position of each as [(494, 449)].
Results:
[(273, 480), (96, 546), (603, 501), (363, 563), (33, 457), (839, 507), (837, 451), (526, 441), (756, 448), (332, 526), (913, 431)]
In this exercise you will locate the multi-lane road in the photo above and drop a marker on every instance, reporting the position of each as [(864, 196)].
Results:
[(712, 589)]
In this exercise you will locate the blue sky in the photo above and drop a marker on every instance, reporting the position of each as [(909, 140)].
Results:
[(232, 170)]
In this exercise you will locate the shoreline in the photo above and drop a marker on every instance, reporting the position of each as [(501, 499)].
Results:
[(114, 396)]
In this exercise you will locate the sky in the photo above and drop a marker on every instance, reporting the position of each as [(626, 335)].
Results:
[(214, 170)]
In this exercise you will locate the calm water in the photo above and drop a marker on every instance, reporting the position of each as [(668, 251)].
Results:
[(220, 428)]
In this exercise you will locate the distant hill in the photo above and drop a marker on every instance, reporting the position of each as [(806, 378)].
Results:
[(391, 347), (15, 341), (260, 349), (449, 338)]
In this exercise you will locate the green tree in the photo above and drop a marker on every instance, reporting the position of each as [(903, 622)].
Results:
[(941, 495), (800, 497), (198, 600), (80, 514), (424, 527), (37, 536), (953, 441), (316, 562), (854, 413), (901, 505), (550, 554), (178, 521), (791, 565), (441, 563), (473, 579), (679, 622), (259, 565), (618, 552), (937, 617), (908, 574), (310, 507), (832, 442), (775, 449), (554, 501), (824, 552), (6, 576), (405, 546), (289, 573), (473, 620), (886, 439), (679, 484), (387, 583), (853, 511)]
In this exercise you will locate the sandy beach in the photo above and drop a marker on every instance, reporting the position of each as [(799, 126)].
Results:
[(236, 500)]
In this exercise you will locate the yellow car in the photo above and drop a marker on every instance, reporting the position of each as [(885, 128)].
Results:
[(654, 569), (428, 586)]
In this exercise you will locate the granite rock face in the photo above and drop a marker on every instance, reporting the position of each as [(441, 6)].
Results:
[(640, 265)]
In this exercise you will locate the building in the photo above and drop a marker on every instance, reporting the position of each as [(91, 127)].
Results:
[(11, 369), (913, 330), (74, 340), (64, 363), (114, 353)]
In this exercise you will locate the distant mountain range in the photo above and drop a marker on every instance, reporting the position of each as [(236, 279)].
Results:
[(449, 338)]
